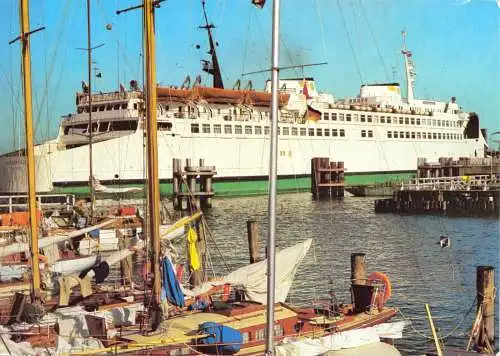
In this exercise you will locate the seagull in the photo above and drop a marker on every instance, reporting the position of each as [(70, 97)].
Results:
[(444, 242)]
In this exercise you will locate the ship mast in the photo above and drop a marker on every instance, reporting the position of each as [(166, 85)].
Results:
[(30, 152), (152, 145), (212, 67), (409, 69), (273, 168), (89, 72)]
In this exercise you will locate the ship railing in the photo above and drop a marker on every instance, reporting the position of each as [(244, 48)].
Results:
[(467, 182), (46, 202)]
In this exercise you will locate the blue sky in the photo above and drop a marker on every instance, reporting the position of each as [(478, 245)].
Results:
[(456, 45)]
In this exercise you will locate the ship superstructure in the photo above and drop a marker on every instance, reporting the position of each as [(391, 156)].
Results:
[(378, 134)]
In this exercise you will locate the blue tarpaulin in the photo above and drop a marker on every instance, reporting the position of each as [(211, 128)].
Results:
[(222, 340), (171, 288)]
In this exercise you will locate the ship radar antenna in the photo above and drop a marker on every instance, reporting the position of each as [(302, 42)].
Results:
[(409, 69), (211, 67)]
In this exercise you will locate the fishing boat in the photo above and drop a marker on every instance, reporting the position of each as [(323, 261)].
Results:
[(379, 134)]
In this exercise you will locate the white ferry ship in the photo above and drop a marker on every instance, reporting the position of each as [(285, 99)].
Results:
[(378, 135)]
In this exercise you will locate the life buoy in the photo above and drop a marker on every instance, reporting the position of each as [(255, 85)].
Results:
[(379, 277)]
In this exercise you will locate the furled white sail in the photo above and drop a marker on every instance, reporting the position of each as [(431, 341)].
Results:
[(253, 278)]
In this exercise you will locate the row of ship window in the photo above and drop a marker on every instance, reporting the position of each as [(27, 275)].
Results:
[(259, 130), (389, 119), (424, 135)]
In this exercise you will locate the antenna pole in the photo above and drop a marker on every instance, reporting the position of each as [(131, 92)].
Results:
[(30, 152), (273, 167), (89, 72), (152, 145)]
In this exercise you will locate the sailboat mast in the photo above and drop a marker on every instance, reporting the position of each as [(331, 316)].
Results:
[(152, 145), (89, 72), (273, 168), (30, 151)]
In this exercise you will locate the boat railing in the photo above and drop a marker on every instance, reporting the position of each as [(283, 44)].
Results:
[(13, 203), (468, 182)]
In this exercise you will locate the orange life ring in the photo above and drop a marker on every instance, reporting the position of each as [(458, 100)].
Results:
[(382, 277)]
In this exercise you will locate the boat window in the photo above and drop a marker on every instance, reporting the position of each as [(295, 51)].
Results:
[(382, 119), (102, 107), (370, 133), (327, 132), (164, 126), (303, 131), (260, 334), (116, 107), (401, 121), (310, 132), (407, 134), (238, 129), (266, 130), (334, 116), (124, 106), (363, 118), (433, 122), (103, 126), (286, 131), (127, 125), (418, 136), (205, 128), (389, 134), (418, 121), (401, 134), (135, 106), (439, 136), (228, 129), (369, 118), (395, 134), (342, 133), (434, 136), (279, 130), (180, 109), (245, 337), (356, 117), (258, 130), (348, 117), (278, 330), (439, 122), (319, 132), (413, 135), (217, 129), (94, 108), (388, 119), (412, 121), (341, 117), (424, 136), (335, 133), (363, 133), (375, 118), (248, 130), (407, 120), (195, 128), (79, 110), (294, 131), (326, 116)]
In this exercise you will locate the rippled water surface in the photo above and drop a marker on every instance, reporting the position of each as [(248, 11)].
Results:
[(404, 247)]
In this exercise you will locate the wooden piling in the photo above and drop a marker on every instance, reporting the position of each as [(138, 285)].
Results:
[(485, 287), (327, 178), (253, 240), (358, 271)]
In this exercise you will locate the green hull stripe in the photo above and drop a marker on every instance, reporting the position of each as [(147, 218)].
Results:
[(255, 187)]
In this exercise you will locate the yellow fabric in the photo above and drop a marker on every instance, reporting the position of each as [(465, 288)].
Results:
[(194, 259), (66, 283)]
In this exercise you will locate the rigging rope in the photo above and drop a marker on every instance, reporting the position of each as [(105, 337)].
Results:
[(350, 42)]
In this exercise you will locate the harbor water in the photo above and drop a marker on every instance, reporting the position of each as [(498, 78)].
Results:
[(404, 247)]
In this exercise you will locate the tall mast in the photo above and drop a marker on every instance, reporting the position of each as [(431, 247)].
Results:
[(273, 167), (409, 69), (30, 152), (89, 72), (211, 67), (152, 145)]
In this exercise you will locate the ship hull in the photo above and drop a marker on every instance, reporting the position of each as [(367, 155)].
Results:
[(241, 162)]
